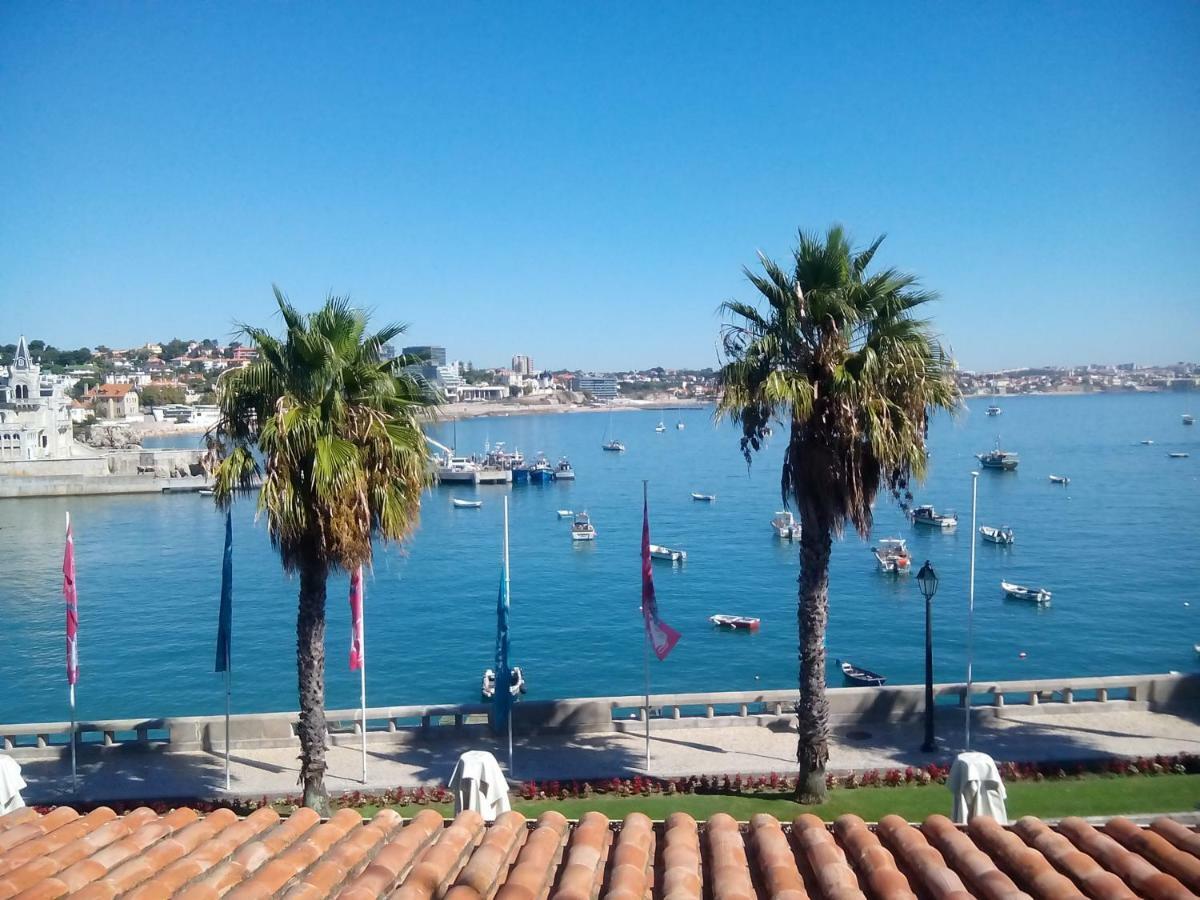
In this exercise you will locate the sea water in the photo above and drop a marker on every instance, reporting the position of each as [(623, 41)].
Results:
[(1118, 547)]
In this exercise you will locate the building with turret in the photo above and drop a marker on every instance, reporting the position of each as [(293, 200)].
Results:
[(35, 411)]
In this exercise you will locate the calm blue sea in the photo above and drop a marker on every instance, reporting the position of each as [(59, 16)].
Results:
[(1119, 548)]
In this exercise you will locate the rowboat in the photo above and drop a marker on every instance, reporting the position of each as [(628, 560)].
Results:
[(1177, 454), (735, 623), (1002, 535), (707, 498), (667, 554), (1040, 596), (206, 492), (856, 675), (467, 504), (1059, 479), (566, 513)]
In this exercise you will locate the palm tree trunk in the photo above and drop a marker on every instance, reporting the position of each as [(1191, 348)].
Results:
[(812, 617), (310, 668)]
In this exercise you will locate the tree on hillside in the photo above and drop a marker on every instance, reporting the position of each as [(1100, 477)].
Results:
[(174, 348), (161, 394), (839, 357), (339, 430)]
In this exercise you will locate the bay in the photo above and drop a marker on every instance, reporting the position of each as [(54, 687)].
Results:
[(1118, 547)]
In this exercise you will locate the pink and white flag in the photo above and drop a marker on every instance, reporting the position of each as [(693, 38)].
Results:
[(358, 649), (662, 636), (72, 598)]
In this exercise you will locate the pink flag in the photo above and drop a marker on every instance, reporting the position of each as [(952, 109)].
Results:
[(662, 636), (72, 599), (358, 650)]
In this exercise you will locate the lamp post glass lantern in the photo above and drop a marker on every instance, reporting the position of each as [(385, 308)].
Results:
[(928, 580)]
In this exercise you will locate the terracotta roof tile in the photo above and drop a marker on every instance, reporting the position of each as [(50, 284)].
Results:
[(145, 856)]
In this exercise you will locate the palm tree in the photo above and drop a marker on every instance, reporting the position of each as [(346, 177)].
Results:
[(839, 356), (344, 459)]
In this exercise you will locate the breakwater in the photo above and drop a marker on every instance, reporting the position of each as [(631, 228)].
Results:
[(114, 472)]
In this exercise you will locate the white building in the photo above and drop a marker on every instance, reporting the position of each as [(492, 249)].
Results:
[(35, 416)]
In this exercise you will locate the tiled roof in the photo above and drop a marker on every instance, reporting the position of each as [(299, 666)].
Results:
[(113, 390), (146, 855)]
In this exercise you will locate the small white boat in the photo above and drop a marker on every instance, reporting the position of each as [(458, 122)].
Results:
[(927, 515), (1189, 419), (706, 498), (1059, 479), (1040, 596), (566, 513), (563, 471), (1177, 454), (582, 529), (614, 447), (467, 504), (679, 426), (860, 676), (785, 526), (994, 410), (1196, 647), (735, 623), (667, 554), (206, 492), (516, 684), (660, 427), (893, 556), (1002, 535), (1147, 442)]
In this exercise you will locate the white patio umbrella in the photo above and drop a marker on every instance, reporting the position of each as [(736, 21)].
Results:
[(478, 784), (978, 791), (11, 784)]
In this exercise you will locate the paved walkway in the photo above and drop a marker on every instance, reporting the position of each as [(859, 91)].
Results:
[(113, 773)]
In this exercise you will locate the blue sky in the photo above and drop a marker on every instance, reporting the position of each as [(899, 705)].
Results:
[(583, 183)]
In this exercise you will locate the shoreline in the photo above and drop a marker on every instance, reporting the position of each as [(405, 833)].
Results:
[(502, 409)]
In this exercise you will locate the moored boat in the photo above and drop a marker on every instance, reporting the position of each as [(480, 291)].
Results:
[(563, 471), (706, 498), (566, 513), (660, 427), (927, 515), (1059, 479), (994, 410), (893, 556), (467, 504), (1147, 442), (785, 525), (1021, 592), (860, 676), (1002, 535), (735, 623), (206, 492), (679, 426), (582, 528), (998, 459), (1189, 419), (516, 684), (613, 447), (657, 551), (1177, 454)]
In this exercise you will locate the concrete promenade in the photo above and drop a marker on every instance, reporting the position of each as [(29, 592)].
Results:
[(110, 773)]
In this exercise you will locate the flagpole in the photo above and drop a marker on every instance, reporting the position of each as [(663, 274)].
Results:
[(362, 672), (508, 600), (646, 657), (971, 609), (71, 684), (228, 691)]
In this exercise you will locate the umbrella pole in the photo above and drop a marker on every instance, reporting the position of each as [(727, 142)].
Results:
[(74, 776), (971, 610), (228, 692)]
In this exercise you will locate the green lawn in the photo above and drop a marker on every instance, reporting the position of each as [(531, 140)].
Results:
[(1088, 796)]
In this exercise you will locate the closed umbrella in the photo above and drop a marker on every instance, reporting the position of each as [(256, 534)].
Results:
[(978, 791), (478, 784)]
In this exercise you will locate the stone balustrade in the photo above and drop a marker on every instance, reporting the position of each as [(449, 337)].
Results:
[(397, 724)]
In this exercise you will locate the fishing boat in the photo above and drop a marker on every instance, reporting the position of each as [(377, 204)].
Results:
[(927, 515), (566, 513), (660, 427), (563, 471), (666, 554), (785, 525), (998, 459), (467, 504), (994, 410), (1189, 419), (1059, 479), (735, 623), (1177, 454), (705, 498), (1002, 535), (1040, 596), (679, 426), (516, 684), (582, 529), (893, 556), (613, 446), (856, 675)]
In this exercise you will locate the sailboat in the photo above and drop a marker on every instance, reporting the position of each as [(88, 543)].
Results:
[(660, 427), (611, 444)]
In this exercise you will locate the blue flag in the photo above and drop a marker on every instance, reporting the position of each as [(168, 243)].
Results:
[(225, 620), (502, 698)]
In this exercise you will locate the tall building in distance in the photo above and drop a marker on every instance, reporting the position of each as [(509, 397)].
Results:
[(598, 387), (434, 355), (522, 365)]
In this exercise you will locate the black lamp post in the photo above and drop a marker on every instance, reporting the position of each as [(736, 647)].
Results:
[(928, 581)]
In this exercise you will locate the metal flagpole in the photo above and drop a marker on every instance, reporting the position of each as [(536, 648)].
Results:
[(71, 687), (646, 656), (971, 608), (508, 601), (362, 669), (228, 691)]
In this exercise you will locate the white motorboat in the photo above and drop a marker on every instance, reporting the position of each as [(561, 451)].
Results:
[(563, 471), (582, 528), (679, 426), (1002, 535), (667, 554), (566, 513), (1177, 454), (206, 492), (860, 676), (706, 498), (1189, 419), (613, 446), (660, 427), (735, 623), (994, 410), (516, 684), (1040, 596), (467, 504), (1059, 479), (1147, 442), (927, 515), (785, 525), (459, 469), (893, 556)]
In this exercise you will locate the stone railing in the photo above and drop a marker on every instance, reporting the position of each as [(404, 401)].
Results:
[(398, 724)]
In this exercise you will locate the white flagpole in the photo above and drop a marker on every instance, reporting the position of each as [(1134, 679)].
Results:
[(71, 688), (228, 691), (508, 601), (646, 656), (362, 670), (971, 608)]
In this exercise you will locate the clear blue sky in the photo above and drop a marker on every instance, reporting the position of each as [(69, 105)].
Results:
[(583, 183)]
